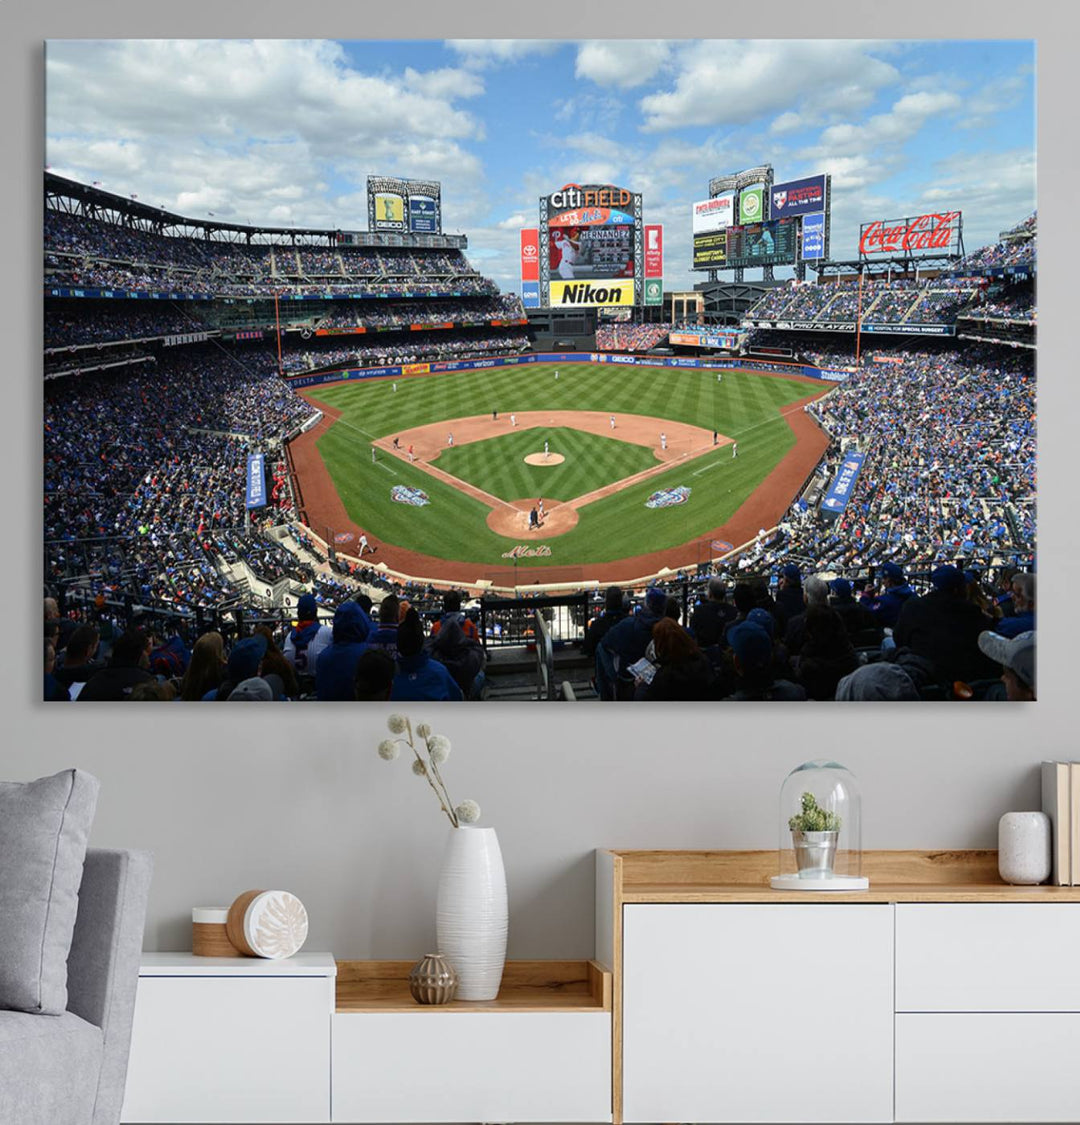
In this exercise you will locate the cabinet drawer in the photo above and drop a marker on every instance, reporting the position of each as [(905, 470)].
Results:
[(235, 1049), (987, 1067), (988, 957), (757, 1013), (472, 1066)]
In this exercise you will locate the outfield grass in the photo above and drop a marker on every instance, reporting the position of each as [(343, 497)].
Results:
[(497, 465), (743, 406)]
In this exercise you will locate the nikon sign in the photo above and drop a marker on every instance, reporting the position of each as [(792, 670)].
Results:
[(589, 294)]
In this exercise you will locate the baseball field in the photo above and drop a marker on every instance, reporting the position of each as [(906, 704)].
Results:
[(636, 467)]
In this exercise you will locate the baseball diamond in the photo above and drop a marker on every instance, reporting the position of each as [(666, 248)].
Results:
[(481, 488)]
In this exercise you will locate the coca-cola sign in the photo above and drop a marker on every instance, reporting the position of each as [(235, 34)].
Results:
[(926, 234)]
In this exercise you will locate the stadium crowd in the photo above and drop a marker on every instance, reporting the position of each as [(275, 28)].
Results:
[(631, 337), (315, 355)]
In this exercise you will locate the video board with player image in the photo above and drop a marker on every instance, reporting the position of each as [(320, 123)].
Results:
[(589, 253)]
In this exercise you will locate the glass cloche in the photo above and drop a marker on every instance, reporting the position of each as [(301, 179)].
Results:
[(820, 830)]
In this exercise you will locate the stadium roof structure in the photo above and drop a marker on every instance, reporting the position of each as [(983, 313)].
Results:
[(72, 197), (878, 266)]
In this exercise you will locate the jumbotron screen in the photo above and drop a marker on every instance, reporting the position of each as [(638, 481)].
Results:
[(758, 244), (591, 253)]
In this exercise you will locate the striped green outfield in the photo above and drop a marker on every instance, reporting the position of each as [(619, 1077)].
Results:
[(497, 465), (743, 406)]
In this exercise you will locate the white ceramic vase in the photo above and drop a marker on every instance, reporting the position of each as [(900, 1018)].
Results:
[(1024, 840), (470, 914)]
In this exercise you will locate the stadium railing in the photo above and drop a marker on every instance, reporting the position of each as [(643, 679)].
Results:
[(511, 622)]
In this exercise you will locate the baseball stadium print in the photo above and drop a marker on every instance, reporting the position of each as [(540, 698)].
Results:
[(527, 422)]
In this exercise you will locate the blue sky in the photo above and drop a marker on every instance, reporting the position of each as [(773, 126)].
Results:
[(286, 132)]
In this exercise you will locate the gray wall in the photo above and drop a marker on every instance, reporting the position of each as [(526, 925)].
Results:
[(295, 797)]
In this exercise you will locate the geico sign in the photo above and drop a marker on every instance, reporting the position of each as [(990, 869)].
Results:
[(590, 293), (927, 232), (574, 195)]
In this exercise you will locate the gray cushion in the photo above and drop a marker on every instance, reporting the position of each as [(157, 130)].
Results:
[(48, 1069), (44, 827)]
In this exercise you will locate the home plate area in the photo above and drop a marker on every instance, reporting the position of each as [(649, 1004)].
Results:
[(671, 442)]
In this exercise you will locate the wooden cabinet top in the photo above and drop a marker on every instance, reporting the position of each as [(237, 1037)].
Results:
[(743, 876)]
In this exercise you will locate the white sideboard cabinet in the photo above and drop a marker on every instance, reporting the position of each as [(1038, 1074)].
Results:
[(757, 1013), (231, 1039)]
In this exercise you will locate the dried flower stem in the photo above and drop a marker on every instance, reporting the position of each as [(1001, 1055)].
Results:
[(444, 798), (434, 767)]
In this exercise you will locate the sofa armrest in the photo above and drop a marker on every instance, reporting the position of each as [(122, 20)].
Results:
[(103, 966)]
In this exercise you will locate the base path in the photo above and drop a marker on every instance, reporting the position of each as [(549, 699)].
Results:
[(763, 508)]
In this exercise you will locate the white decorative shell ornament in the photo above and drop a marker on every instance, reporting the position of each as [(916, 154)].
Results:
[(272, 924)]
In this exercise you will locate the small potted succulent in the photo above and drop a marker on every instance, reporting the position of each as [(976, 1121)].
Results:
[(814, 834)]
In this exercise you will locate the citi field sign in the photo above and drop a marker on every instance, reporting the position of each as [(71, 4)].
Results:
[(570, 197)]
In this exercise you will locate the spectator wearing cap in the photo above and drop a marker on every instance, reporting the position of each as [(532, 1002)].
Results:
[(1016, 655), (255, 689), (884, 608), (308, 639), (1023, 600), (855, 618), (245, 662), (128, 666), (781, 661), (789, 593), (751, 652), (879, 681), (713, 615), (335, 670), (943, 628), (419, 677), (625, 643), (452, 612), (683, 671)]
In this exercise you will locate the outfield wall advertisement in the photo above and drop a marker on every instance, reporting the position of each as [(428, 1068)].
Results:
[(831, 375)]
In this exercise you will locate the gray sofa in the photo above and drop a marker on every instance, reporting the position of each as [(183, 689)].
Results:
[(70, 1069)]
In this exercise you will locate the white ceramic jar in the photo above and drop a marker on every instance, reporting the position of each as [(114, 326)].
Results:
[(1024, 848)]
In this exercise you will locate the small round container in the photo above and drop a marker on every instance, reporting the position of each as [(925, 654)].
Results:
[(272, 924), (208, 933)]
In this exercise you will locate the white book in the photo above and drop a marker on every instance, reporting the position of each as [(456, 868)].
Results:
[(1055, 803), (1074, 819)]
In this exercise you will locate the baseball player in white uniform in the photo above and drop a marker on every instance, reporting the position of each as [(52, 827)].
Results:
[(568, 253), (363, 545), (663, 442)]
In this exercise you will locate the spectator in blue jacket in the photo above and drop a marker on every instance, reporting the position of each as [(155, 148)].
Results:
[(885, 607), (335, 670), (419, 677), (625, 642), (385, 636)]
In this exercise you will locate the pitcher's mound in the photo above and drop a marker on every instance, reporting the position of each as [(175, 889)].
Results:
[(544, 459)]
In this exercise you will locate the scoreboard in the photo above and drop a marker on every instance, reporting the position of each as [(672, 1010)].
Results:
[(771, 243)]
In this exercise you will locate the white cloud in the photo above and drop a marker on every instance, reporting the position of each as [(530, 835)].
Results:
[(623, 63), (787, 123), (900, 124), (725, 82), (493, 52), (250, 129), (982, 107), (514, 222)]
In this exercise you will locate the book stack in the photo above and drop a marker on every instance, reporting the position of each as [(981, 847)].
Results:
[(1061, 803)]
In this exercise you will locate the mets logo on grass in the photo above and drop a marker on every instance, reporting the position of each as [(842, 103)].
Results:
[(521, 551), (668, 497), (403, 494)]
